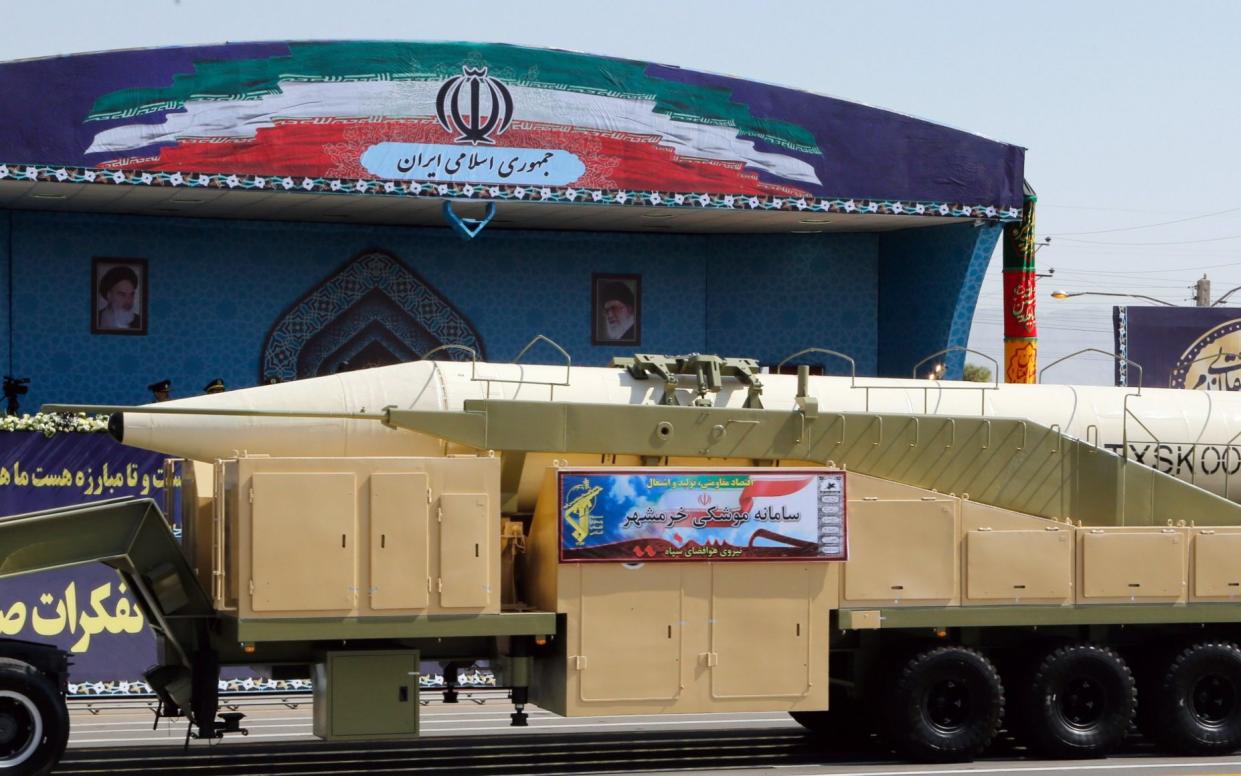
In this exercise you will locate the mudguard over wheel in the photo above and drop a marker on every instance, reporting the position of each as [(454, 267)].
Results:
[(34, 723), (943, 705), (1078, 702), (1197, 705)]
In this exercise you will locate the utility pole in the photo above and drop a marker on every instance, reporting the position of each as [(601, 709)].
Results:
[(1202, 292)]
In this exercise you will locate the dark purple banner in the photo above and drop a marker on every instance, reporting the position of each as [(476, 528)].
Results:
[(1198, 348), (291, 113), (85, 610)]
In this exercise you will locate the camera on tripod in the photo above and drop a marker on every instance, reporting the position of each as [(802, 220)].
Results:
[(14, 387)]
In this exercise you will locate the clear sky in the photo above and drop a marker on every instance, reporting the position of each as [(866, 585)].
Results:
[(1130, 110)]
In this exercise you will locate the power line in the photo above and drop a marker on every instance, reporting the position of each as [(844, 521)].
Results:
[(1043, 205), (1152, 226), (1168, 242), (1149, 271)]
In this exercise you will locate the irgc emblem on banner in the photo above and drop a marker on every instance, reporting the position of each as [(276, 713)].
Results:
[(1212, 362), (676, 515)]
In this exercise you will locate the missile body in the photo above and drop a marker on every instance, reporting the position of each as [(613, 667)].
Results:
[(1188, 434)]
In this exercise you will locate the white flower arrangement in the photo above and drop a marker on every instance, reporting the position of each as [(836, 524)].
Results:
[(49, 423)]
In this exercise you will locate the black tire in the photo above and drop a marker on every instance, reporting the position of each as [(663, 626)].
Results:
[(34, 723), (1198, 702), (1079, 702), (943, 705)]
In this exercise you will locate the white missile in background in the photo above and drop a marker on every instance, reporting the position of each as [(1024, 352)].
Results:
[(1190, 434)]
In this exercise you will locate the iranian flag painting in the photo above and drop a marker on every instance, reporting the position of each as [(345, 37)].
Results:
[(463, 115)]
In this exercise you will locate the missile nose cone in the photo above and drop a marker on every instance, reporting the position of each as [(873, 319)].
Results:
[(116, 426)]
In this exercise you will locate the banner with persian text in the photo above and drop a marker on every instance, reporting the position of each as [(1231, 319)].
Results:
[(84, 610), (1198, 348), (721, 515)]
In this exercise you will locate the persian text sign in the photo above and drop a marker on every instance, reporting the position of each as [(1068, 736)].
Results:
[(642, 515), (428, 161), (85, 610)]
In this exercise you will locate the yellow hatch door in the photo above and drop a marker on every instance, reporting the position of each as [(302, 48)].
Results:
[(465, 579), (761, 609), (901, 551), (303, 531), (1119, 564), (1009, 565), (399, 541), (1216, 571), (630, 632)]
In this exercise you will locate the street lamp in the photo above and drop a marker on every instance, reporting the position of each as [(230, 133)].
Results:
[(1066, 295), (1225, 296)]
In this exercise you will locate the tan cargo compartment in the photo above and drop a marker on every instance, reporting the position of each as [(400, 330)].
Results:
[(1132, 564), (400, 538), (901, 551), (679, 637), (1019, 566), (1011, 558), (365, 536), (1216, 564)]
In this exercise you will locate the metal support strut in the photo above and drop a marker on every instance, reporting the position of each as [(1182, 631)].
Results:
[(520, 718), (451, 673)]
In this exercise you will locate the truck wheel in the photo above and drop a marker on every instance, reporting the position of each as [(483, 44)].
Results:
[(34, 723), (1078, 703), (1198, 702), (943, 705)]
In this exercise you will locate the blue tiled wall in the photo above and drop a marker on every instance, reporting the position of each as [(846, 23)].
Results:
[(782, 293), (928, 286), (218, 286)]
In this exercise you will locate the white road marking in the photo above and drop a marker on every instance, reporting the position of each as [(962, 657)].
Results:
[(501, 725), (983, 768)]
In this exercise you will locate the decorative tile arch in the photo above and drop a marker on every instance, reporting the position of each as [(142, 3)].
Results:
[(374, 307)]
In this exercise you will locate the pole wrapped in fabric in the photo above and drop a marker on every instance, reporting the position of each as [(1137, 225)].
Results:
[(1020, 289)]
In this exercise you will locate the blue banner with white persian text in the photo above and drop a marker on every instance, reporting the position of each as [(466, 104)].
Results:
[(84, 610), (723, 515)]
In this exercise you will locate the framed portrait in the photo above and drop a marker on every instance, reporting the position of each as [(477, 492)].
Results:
[(118, 296), (616, 309)]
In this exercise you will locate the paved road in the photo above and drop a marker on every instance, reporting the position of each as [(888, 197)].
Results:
[(474, 736)]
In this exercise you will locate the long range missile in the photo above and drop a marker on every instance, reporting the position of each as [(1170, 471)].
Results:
[(1189, 434)]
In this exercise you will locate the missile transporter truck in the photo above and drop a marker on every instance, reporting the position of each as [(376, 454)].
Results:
[(915, 561)]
